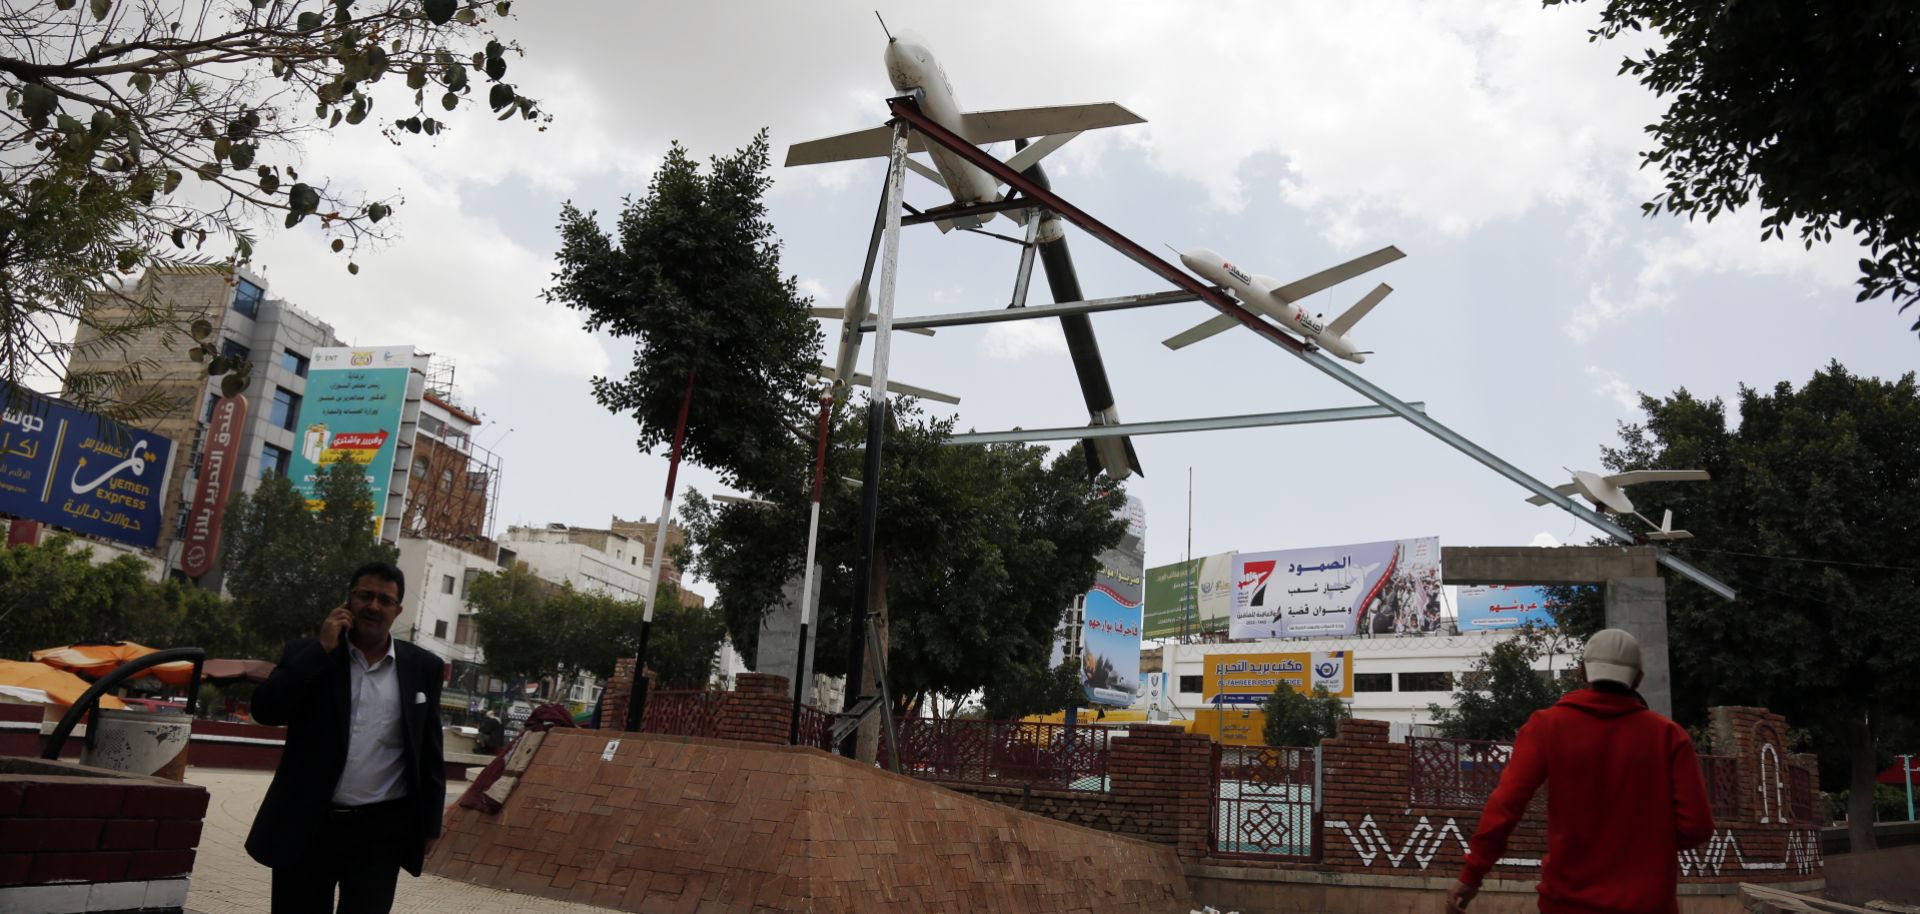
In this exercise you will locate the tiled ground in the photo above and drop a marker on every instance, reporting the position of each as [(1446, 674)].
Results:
[(227, 881)]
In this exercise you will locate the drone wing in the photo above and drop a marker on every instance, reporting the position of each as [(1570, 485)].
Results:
[(1568, 489), (1636, 477)]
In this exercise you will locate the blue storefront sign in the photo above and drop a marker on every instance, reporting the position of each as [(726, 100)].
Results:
[(73, 469)]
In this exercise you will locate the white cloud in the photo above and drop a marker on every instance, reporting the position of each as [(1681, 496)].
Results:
[(1727, 245), (1015, 340), (1613, 387)]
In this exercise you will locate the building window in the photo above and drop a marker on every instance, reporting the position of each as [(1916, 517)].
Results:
[(1373, 682), (440, 629), (1426, 682), (234, 350), (246, 298), (446, 583), (294, 362), (1191, 684), (446, 480), (213, 400), (286, 408), (273, 460), (432, 426), (463, 630)]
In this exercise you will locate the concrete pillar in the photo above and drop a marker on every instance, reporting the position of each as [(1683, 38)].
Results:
[(1639, 605), (780, 635)]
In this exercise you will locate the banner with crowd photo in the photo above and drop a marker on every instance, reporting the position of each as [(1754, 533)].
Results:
[(1190, 597), (1110, 643), (1390, 587), (1492, 607), (351, 413), (73, 469), (1250, 679)]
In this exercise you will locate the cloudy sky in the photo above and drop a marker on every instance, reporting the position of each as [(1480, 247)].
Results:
[(1489, 140)]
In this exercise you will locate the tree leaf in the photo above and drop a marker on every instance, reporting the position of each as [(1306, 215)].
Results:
[(439, 11), (465, 16), (142, 82), (172, 183), (500, 96), (64, 5), (38, 103), (377, 211), (417, 76), (337, 245), (100, 8), (353, 268), (200, 329), (241, 156), (233, 385), (269, 183), (303, 199), (308, 21), (449, 101), (496, 68)]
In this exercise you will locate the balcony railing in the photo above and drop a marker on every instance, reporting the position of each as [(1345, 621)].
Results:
[(683, 712), (1722, 774), (1454, 773)]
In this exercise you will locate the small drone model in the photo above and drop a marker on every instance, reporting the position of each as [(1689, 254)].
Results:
[(1610, 493)]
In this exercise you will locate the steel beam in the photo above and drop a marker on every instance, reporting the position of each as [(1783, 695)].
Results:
[(1176, 426), (906, 109), (973, 209), (1030, 312)]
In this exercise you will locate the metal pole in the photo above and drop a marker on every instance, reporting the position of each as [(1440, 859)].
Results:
[(1187, 597), (905, 108), (806, 578), (637, 700), (1906, 768), (876, 429)]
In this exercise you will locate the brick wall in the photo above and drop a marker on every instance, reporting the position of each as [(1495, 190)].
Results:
[(758, 710), (642, 822), (74, 838)]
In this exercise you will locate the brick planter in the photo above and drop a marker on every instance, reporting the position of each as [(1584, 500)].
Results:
[(74, 838)]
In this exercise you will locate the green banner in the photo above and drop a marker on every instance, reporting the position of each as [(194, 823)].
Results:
[(1174, 604)]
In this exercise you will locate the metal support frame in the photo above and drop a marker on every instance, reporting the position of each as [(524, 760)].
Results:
[(1175, 426), (906, 111)]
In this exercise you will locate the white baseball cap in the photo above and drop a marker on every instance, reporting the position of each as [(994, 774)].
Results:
[(1614, 655)]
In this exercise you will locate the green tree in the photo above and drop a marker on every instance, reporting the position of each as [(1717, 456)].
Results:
[(533, 629), (285, 565), (1811, 516), (981, 549), (691, 273), (133, 133), (54, 594), (1296, 719), (1504, 689), (1807, 106), (1027, 691)]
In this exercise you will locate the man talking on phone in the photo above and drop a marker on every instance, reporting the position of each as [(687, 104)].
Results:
[(360, 788)]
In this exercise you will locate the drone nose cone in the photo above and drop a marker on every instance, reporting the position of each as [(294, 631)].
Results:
[(1198, 259)]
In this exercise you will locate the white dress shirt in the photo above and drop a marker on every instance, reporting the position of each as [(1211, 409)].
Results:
[(376, 766)]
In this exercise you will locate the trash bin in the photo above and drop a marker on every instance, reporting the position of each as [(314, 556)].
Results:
[(139, 742)]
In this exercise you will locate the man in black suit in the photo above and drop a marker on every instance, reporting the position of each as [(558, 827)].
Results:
[(361, 787)]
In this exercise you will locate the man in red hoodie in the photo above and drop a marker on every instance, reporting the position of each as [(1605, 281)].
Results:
[(1627, 796)]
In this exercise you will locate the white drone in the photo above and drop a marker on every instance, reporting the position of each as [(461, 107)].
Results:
[(1610, 493)]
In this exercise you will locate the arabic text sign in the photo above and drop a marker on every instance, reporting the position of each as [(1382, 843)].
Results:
[(351, 413), (1385, 588), (1193, 596), (1110, 663), (1251, 678), (76, 470), (217, 463), (1490, 607)]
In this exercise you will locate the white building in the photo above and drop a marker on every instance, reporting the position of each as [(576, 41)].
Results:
[(1395, 678), (592, 560)]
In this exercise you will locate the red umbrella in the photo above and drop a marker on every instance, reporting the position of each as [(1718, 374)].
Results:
[(1894, 777)]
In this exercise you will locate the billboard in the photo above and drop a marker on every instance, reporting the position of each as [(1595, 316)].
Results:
[(1249, 679), (1110, 656), (76, 470), (1491, 607), (1190, 597), (1389, 587), (217, 463), (355, 397)]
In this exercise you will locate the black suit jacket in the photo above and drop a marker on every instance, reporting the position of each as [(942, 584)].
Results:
[(307, 694)]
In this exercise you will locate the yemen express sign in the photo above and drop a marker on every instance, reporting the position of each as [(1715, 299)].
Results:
[(77, 470), (352, 413), (202, 541)]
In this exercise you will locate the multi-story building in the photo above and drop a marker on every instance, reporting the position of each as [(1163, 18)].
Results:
[(274, 335)]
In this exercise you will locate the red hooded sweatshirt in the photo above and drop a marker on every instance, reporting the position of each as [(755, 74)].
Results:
[(1627, 796)]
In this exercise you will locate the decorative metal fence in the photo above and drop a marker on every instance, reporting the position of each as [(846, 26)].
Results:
[(816, 728), (1002, 752), (1722, 774), (1458, 773), (1263, 803), (683, 712), (1801, 794)]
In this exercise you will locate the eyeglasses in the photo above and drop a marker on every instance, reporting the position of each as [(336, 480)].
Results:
[(375, 597)]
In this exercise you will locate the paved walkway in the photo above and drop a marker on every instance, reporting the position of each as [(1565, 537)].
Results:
[(227, 881)]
